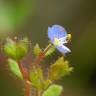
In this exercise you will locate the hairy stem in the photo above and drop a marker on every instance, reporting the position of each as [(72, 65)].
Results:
[(25, 73), (26, 78), (41, 56), (28, 88)]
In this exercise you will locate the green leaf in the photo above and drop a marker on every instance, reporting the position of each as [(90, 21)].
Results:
[(37, 50), (53, 90), (13, 65), (16, 50), (36, 77), (50, 51), (59, 69)]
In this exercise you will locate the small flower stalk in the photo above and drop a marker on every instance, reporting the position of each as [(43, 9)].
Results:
[(31, 71)]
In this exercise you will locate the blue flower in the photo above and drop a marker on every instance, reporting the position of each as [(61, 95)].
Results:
[(58, 37)]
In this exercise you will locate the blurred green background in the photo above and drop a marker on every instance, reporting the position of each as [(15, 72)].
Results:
[(32, 17)]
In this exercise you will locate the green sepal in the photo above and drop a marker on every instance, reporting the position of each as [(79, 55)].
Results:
[(53, 90), (37, 50), (22, 47), (16, 50), (13, 65), (10, 47), (59, 69)]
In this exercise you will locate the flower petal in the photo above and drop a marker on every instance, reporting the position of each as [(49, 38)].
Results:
[(56, 31), (63, 49)]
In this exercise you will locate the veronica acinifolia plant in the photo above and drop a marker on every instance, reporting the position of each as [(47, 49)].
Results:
[(18, 52)]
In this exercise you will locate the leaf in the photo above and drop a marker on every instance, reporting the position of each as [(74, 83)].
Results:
[(53, 90), (36, 77), (13, 65), (59, 69), (16, 50), (50, 51), (37, 50)]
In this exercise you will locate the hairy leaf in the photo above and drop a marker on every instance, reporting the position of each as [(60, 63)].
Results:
[(53, 90), (13, 65), (36, 77), (59, 69)]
